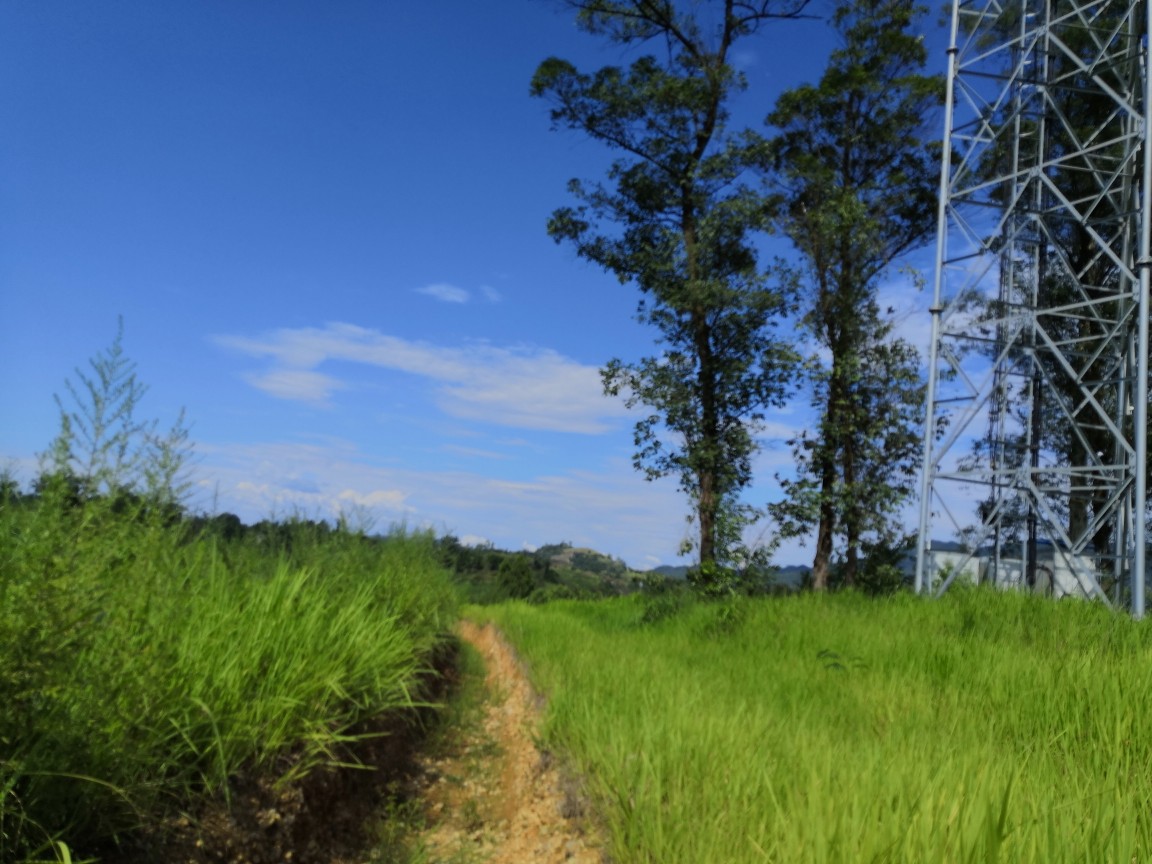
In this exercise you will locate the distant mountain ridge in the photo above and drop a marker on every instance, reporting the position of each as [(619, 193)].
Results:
[(557, 571)]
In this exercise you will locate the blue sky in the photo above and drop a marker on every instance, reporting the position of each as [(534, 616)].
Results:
[(323, 225)]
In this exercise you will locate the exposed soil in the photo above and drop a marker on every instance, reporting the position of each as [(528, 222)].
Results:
[(487, 794), (496, 797), (328, 818)]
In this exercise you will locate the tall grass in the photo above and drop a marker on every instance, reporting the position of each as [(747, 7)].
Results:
[(983, 727), (143, 664)]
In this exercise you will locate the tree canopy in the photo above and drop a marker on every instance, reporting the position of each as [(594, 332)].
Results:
[(853, 182), (675, 217)]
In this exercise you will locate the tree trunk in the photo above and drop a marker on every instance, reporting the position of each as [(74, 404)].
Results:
[(851, 516), (826, 459), (822, 561), (708, 474), (706, 515), (707, 471)]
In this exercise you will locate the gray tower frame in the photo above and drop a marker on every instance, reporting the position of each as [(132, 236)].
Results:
[(1038, 359)]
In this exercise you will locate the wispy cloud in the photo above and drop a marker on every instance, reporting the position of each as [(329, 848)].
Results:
[(444, 292), (473, 452), (301, 385), (523, 387), (447, 293)]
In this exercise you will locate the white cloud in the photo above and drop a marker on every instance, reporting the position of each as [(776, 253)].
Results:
[(444, 292), (301, 385), (491, 294), (530, 389), (519, 386)]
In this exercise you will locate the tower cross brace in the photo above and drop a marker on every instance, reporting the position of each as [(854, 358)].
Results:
[(1035, 443)]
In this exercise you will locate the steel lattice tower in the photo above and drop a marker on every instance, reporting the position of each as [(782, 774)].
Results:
[(1038, 366)]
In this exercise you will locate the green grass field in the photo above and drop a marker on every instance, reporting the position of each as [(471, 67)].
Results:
[(981, 727), (149, 660), (145, 665)]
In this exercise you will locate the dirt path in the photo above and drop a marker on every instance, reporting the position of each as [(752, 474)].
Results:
[(496, 798)]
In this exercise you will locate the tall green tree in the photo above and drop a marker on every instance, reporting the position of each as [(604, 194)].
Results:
[(675, 217), (854, 181)]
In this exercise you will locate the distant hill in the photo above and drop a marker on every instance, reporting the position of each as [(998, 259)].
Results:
[(552, 572), (557, 571), (582, 558), (588, 568)]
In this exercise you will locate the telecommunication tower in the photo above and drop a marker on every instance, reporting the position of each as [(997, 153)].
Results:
[(1035, 448)]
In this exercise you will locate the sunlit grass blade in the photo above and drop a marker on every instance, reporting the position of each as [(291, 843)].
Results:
[(981, 727)]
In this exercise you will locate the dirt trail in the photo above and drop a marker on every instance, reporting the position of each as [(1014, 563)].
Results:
[(497, 798)]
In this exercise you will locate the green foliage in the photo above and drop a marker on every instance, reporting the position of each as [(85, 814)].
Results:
[(880, 570), (664, 598), (515, 577), (854, 184), (713, 580), (552, 593), (149, 658), (596, 563), (550, 550), (142, 666), (835, 728), (676, 219), (104, 448)]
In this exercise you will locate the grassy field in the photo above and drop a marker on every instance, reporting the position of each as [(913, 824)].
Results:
[(146, 663), (982, 727)]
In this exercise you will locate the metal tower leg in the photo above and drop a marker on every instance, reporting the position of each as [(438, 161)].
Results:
[(1035, 446)]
